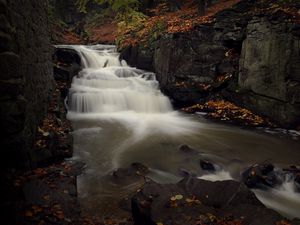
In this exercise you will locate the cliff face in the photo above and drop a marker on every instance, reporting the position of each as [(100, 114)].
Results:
[(269, 71), (26, 76), (249, 58)]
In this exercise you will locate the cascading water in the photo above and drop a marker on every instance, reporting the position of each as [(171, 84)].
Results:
[(120, 117), (107, 85), (109, 90)]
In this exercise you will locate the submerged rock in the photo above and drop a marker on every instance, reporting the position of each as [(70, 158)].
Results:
[(134, 174), (186, 149), (206, 165), (187, 173), (195, 201)]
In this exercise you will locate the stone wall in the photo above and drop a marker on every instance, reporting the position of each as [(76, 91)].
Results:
[(25, 76)]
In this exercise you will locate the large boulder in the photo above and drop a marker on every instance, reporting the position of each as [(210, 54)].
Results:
[(195, 201), (261, 176)]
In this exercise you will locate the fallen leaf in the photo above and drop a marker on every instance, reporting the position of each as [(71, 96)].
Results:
[(176, 197), (28, 213)]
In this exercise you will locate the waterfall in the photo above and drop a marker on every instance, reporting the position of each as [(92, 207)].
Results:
[(107, 85), (107, 89)]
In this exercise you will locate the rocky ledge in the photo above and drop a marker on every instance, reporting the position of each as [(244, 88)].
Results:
[(194, 201)]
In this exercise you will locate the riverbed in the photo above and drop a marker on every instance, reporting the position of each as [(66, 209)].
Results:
[(120, 117)]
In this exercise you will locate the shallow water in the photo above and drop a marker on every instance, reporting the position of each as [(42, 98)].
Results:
[(120, 117)]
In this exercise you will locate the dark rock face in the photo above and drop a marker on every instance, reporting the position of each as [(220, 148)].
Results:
[(265, 176), (193, 200), (26, 76), (206, 165), (269, 70), (184, 59), (67, 63), (188, 64), (259, 54), (138, 56)]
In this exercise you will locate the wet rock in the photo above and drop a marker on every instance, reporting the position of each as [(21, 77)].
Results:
[(193, 200), (134, 169), (67, 63), (134, 175), (129, 180), (66, 55), (140, 168), (186, 149), (187, 173), (64, 92), (206, 165), (260, 176)]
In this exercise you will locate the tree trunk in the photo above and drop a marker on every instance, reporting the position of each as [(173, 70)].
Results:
[(208, 3), (201, 7), (174, 5)]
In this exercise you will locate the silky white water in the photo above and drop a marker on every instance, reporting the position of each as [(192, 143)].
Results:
[(120, 116), (107, 86), (108, 90)]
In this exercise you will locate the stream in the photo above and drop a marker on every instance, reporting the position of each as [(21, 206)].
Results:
[(120, 117)]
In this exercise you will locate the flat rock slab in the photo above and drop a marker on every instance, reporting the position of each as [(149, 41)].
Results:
[(194, 201), (50, 195)]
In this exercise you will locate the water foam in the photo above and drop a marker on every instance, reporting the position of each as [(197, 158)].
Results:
[(283, 199), (217, 176)]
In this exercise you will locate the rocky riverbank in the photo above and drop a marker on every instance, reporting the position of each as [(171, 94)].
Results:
[(39, 195), (247, 54), (193, 201)]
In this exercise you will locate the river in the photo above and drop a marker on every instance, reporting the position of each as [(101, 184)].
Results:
[(120, 116)]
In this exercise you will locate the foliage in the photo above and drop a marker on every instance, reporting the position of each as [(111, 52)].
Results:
[(125, 11), (50, 12), (227, 111), (139, 30), (163, 21), (118, 6)]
